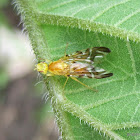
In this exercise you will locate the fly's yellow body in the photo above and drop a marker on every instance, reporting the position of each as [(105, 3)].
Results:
[(77, 65), (59, 68)]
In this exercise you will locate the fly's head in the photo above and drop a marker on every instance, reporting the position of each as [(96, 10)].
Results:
[(42, 67)]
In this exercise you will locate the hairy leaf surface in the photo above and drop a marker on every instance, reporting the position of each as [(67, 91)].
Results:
[(113, 111)]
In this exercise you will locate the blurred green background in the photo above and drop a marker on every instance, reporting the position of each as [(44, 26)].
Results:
[(24, 112)]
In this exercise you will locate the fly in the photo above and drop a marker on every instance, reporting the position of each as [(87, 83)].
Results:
[(77, 65)]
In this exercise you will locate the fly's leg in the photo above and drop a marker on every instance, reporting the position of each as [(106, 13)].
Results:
[(65, 85), (65, 82), (83, 84)]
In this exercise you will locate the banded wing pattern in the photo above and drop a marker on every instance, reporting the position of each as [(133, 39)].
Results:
[(88, 55), (82, 63), (84, 70)]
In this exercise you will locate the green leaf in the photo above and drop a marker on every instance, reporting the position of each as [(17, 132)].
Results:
[(112, 112)]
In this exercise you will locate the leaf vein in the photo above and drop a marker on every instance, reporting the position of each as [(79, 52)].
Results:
[(101, 102), (107, 9), (81, 9), (133, 63), (122, 109), (135, 27), (60, 4), (136, 109), (127, 17)]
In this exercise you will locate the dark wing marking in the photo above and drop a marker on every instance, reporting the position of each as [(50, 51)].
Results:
[(98, 51), (88, 55), (103, 75), (91, 74)]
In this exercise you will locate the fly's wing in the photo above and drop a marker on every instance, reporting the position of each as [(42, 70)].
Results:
[(84, 70), (101, 73), (88, 55), (98, 52), (81, 63)]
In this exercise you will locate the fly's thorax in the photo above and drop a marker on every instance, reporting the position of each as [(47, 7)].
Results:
[(59, 67)]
